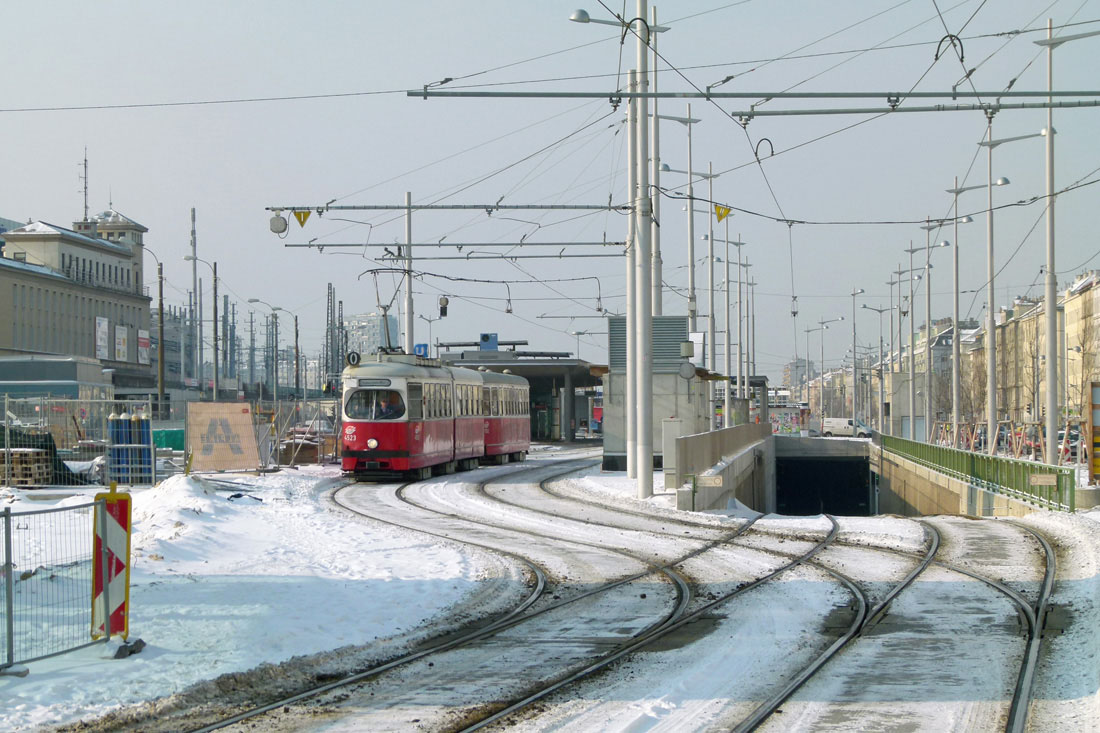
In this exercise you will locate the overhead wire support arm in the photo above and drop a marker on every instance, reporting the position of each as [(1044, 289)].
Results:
[(454, 207), (459, 245), (953, 94)]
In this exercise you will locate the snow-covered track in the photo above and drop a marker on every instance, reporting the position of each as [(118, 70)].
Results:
[(658, 634), (1021, 699), (522, 614)]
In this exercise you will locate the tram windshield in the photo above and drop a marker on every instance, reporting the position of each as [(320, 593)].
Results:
[(374, 404)]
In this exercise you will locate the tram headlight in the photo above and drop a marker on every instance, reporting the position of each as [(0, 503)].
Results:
[(372, 443)]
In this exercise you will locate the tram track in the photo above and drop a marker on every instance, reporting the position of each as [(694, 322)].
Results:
[(473, 714), (1017, 715), (515, 617), (675, 620)]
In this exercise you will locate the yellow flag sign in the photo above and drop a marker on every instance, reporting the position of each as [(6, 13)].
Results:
[(301, 216), (720, 211)]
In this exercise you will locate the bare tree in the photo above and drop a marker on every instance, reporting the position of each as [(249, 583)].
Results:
[(1086, 348)]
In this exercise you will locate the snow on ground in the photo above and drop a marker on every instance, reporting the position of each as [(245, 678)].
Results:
[(223, 583)]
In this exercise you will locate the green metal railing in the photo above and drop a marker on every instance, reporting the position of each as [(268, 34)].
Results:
[(1053, 487)]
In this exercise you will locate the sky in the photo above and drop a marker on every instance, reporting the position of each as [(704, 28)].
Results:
[(196, 543), (176, 122)]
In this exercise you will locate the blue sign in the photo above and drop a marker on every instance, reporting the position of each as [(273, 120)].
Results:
[(420, 349)]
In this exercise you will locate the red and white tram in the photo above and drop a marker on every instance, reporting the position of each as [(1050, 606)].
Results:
[(409, 416)]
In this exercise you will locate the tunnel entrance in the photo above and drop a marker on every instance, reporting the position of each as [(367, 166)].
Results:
[(823, 485)]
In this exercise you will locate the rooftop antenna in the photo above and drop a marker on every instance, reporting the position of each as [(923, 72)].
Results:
[(85, 179)]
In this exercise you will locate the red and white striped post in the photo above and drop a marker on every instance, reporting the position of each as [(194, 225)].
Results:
[(111, 565)]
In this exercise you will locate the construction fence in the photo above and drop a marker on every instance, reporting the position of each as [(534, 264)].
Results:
[(65, 442), (70, 443), (47, 579)]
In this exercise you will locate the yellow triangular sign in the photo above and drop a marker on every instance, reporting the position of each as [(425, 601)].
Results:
[(301, 216), (720, 211)]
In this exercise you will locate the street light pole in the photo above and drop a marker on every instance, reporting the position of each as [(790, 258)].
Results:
[(693, 303), (881, 385), (409, 320), (1051, 280), (214, 267), (712, 419), (991, 321), (855, 362), (644, 297)]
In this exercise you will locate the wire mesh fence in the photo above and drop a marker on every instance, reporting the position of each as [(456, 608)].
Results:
[(46, 593), (293, 432), (64, 442)]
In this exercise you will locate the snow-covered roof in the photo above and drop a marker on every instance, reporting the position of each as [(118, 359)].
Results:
[(30, 267), (1085, 281), (42, 227), (114, 218)]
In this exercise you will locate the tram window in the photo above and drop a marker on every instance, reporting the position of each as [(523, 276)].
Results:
[(416, 401), (485, 401), (495, 403), (374, 404)]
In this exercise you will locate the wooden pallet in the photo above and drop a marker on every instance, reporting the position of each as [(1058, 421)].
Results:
[(29, 467)]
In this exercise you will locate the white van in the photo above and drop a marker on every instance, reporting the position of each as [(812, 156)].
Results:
[(844, 426)]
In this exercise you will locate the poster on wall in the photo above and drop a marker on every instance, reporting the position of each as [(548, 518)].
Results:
[(143, 347), (120, 343), (101, 338)]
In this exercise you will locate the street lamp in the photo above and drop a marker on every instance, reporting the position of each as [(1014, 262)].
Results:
[(693, 305), (214, 268), (881, 384), (824, 326), (855, 374), (275, 355), (639, 399), (991, 322), (741, 375), (160, 333), (430, 322), (990, 338), (1051, 283), (956, 346), (928, 227)]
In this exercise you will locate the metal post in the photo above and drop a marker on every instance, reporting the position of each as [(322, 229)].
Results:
[(881, 380), (216, 365), (990, 319), (1051, 313), (927, 336), (409, 321), (275, 360), (196, 314), (693, 304), (9, 579), (630, 408), (742, 374), (644, 296), (7, 441), (912, 353), (711, 418), (297, 359), (160, 340), (956, 338), (824, 411), (655, 230), (728, 407)]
